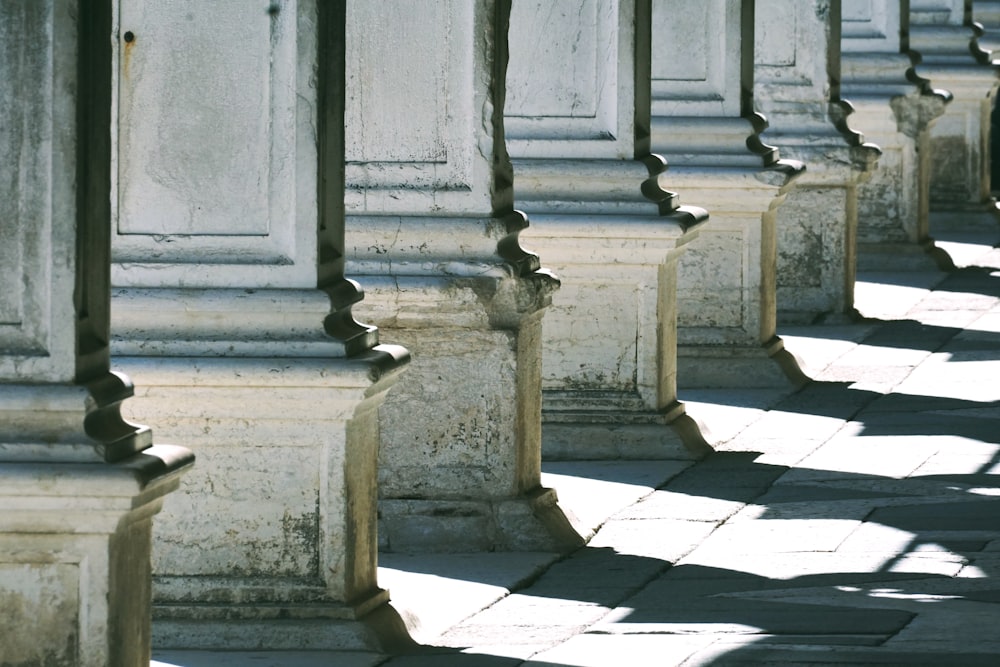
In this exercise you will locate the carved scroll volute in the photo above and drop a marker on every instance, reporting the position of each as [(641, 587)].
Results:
[(330, 261)]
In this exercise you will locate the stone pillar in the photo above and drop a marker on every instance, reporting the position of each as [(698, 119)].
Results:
[(896, 108), (704, 124), (434, 236), (584, 174), (79, 486), (943, 33), (232, 307), (797, 88)]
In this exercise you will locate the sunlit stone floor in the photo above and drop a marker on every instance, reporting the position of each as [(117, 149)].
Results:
[(856, 521)]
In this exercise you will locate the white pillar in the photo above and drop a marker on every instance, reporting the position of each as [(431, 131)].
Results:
[(896, 108), (797, 88), (943, 33), (232, 307), (704, 124), (434, 237), (583, 173), (79, 486)]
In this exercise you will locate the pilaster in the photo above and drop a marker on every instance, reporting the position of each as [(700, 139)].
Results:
[(797, 88), (584, 174), (434, 236), (703, 123), (231, 305), (896, 108), (79, 485), (943, 33)]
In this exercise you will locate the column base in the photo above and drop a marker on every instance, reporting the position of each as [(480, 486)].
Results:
[(75, 557), (903, 256), (529, 522), (739, 366), (585, 426), (369, 625)]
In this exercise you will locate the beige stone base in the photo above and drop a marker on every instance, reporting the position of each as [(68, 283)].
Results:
[(368, 624), (75, 558), (531, 522), (771, 365), (616, 425)]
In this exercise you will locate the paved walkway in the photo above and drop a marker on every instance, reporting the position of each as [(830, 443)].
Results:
[(856, 521)]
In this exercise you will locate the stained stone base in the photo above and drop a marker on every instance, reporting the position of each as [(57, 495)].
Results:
[(460, 450), (277, 523), (75, 555), (770, 365), (616, 425), (531, 522), (369, 624)]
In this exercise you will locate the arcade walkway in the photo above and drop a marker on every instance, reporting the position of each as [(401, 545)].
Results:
[(856, 521)]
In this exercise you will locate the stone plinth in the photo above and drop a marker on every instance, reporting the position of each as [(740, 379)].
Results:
[(601, 221), (232, 307), (896, 108), (75, 555), (797, 88), (79, 486), (434, 237), (273, 544), (942, 32), (703, 123)]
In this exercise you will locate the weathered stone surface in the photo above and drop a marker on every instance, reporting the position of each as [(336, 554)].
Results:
[(78, 484), (433, 232), (896, 110), (602, 222), (703, 125), (797, 86), (943, 34), (217, 309)]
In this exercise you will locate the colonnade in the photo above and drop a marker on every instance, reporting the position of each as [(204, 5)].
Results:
[(504, 181)]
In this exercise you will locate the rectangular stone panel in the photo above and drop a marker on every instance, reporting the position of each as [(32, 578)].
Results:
[(713, 273), (418, 154), (215, 153), (563, 71), (32, 153), (870, 25), (695, 57), (585, 319), (775, 34), (47, 593)]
